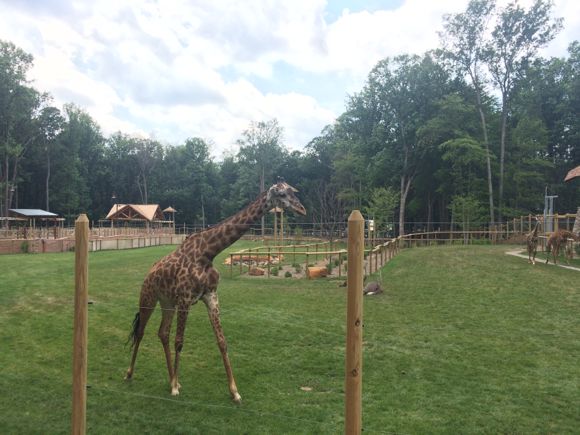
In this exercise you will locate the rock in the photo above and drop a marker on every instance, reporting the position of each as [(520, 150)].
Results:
[(316, 272), (372, 288), (256, 271)]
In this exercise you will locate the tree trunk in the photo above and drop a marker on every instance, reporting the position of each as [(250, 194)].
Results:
[(145, 196), (487, 156), (429, 212), (47, 180), (262, 188), (6, 190), (405, 185), (502, 156), (202, 213)]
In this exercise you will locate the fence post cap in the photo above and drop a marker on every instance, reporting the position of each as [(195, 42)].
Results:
[(355, 216)]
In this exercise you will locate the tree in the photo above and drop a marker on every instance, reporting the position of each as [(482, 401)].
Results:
[(82, 179), (463, 46), (148, 153), (382, 204), (18, 108), (400, 96), (516, 38), (50, 123), (261, 152)]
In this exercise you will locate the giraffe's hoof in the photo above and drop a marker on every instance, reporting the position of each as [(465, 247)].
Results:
[(237, 398), (175, 391), (128, 376)]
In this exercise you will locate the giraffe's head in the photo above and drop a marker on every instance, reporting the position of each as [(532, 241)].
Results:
[(283, 195)]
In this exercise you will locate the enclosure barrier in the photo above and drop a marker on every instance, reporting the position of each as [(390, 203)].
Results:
[(354, 325), (378, 253), (80, 337)]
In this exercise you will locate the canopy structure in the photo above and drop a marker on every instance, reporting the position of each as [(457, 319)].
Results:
[(31, 213), (573, 173), (135, 212), (278, 224), (172, 211), (31, 216)]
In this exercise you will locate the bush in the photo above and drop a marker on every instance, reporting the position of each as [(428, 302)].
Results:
[(297, 267), (274, 271), (288, 274), (24, 247)]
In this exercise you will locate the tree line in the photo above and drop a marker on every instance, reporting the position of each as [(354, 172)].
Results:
[(472, 133)]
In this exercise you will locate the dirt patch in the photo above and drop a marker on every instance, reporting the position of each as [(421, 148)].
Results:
[(284, 268)]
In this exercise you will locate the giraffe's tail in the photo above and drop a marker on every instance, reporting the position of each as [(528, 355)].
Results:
[(133, 335)]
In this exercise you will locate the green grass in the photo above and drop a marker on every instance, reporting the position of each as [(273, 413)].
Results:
[(464, 340)]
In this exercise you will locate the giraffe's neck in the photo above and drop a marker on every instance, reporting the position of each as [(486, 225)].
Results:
[(214, 240)]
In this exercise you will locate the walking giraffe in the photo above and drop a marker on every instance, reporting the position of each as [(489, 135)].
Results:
[(556, 240), (180, 279), (532, 243)]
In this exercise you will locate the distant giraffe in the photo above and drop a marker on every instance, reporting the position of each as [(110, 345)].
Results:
[(532, 243), (556, 240), (180, 279)]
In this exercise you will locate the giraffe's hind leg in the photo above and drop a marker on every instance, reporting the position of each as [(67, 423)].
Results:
[(168, 311), (182, 312), (139, 325)]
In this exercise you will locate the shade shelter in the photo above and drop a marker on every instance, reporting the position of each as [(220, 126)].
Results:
[(573, 173), (137, 215), (278, 224), (33, 217), (172, 211)]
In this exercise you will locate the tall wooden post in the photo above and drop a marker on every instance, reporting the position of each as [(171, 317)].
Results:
[(354, 324), (80, 336)]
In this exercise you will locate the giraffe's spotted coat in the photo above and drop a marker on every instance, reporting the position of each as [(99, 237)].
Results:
[(185, 276)]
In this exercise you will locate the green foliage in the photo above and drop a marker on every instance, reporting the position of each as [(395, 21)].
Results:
[(329, 267), (382, 204), (467, 212), (288, 274), (24, 247)]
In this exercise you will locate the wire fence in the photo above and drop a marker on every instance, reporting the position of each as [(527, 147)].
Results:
[(324, 330)]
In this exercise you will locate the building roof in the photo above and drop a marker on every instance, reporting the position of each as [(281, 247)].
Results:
[(149, 212), (32, 213), (573, 173), (169, 210)]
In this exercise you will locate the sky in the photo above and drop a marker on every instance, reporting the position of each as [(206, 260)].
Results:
[(176, 69)]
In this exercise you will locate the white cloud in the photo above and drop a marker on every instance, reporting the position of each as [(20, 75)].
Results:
[(183, 68)]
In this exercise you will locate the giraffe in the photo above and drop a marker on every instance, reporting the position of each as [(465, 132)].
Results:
[(532, 243), (183, 277), (556, 240)]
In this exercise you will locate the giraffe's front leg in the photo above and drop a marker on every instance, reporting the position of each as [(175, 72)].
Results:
[(212, 303)]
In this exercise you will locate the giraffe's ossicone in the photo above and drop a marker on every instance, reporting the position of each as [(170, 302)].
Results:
[(186, 275)]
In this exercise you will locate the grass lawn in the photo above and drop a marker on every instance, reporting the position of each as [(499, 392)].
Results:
[(464, 340)]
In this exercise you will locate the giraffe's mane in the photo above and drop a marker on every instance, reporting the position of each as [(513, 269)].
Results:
[(225, 221)]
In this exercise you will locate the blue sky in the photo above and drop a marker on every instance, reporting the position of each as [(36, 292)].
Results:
[(175, 69)]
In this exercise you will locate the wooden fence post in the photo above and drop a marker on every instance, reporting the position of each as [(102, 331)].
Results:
[(354, 324), (80, 336)]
